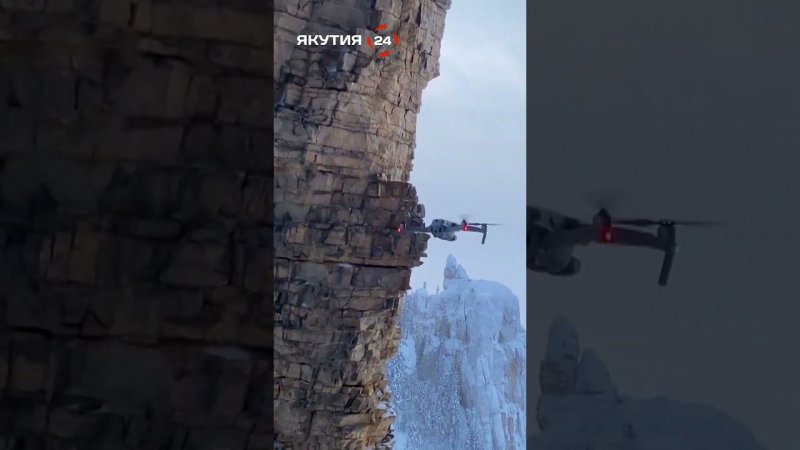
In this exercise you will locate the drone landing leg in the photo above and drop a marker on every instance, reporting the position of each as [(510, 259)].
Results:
[(666, 265)]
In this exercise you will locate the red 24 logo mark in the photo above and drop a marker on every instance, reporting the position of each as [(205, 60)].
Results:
[(383, 40)]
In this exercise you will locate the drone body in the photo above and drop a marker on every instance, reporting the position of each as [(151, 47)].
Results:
[(552, 238), (441, 228)]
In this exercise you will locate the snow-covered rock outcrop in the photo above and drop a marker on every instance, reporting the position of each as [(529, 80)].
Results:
[(580, 409), (458, 380)]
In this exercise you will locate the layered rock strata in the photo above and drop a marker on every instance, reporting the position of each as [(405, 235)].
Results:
[(135, 224), (344, 140)]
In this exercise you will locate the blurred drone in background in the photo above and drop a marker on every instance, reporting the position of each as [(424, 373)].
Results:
[(552, 237)]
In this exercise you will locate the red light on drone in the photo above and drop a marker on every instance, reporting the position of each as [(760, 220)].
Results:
[(464, 226), (400, 229), (607, 236)]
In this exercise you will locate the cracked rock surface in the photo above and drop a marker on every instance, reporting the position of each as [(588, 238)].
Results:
[(344, 141), (135, 224)]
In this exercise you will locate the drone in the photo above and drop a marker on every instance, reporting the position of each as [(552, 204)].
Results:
[(552, 237), (441, 228)]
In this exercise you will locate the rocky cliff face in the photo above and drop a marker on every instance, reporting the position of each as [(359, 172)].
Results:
[(458, 381), (344, 140), (580, 408), (135, 224)]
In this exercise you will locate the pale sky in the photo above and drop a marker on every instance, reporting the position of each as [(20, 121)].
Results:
[(470, 156)]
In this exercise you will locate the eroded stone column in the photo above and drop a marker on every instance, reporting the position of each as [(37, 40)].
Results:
[(344, 141), (135, 224)]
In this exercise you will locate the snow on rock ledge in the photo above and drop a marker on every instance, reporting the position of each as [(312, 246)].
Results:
[(458, 380), (580, 408)]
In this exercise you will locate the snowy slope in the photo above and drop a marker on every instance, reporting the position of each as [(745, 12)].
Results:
[(459, 377), (581, 409)]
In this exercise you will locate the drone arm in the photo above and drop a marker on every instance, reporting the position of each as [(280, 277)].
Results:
[(477, 229), (414, 229), (634, 238)]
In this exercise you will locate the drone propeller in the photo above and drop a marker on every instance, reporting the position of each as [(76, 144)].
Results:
[(481, 223), (665, 222), (604, 199)]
